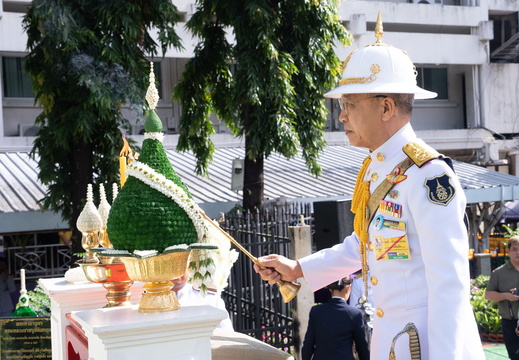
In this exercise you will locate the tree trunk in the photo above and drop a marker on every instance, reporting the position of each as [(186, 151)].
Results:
[(81, 177), (253, 182)]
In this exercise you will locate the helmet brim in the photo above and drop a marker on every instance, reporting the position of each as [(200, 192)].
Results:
[(418, 92)]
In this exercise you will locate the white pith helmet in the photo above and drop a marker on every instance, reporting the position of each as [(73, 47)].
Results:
[(381, 69)]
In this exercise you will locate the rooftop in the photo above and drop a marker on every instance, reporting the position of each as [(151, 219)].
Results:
[(20, 189)]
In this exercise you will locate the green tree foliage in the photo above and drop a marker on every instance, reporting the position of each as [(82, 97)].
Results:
[(87, 58), (262, 67)]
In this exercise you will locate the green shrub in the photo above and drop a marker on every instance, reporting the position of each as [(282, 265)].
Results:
[(486, 312), (39, 301)]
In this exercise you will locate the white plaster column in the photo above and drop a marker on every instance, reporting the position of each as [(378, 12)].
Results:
[(124, 333), (66, 297), (300, 246)]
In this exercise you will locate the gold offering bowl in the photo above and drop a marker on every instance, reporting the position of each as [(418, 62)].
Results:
[(114, 278), (156, 272)]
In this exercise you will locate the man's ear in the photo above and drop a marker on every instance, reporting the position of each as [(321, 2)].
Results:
[(389, 108)]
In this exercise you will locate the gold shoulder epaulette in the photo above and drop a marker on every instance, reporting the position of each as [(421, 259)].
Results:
[(418, 154)]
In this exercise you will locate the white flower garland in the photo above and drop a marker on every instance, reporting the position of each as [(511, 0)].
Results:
[(208, 271), (154, 136), (167, 187)]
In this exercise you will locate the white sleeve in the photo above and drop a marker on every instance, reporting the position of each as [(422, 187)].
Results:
[(444, 248), (331, 264)]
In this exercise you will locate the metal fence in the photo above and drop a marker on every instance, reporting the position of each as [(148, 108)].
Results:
[(255, 307), (39, 261)]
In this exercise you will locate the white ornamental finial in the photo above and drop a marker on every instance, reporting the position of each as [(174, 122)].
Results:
[(152, 95), (115, 191), (89, 219), (104, 206)]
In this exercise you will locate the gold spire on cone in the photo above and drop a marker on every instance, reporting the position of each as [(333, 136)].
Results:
[(379, 29), (126, 156)]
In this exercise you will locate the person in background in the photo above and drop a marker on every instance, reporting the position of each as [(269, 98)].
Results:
[(7, 287), (334, 327), (188, 296), (503, 288), (416, 252)]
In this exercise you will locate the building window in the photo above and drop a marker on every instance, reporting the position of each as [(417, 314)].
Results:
[(433, 79), (16, 82)]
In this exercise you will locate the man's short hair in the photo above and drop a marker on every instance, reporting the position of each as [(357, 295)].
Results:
[(404, 102), (514, 240)]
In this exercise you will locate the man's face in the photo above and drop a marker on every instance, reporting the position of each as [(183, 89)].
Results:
[(361, 114), (514, 254)]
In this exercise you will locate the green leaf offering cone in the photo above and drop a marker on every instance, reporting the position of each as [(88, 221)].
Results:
[(154, 209)]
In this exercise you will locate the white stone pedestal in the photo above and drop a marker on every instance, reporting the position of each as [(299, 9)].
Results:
[(124, 333), (66, 297)]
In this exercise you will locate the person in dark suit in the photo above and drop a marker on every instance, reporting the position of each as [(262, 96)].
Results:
[(334, 327)]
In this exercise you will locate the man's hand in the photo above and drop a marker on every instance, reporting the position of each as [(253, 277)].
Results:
[(513, 296), (497, 296), (277, 268)]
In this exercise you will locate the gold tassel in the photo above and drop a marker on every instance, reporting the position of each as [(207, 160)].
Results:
[(359, 181), (360, 221), (359, 205), (360, 201)]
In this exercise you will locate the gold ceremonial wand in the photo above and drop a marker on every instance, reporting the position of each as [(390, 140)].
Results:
[(287, 289)]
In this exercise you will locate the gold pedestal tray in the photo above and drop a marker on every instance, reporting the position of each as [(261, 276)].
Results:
[(115, 280), (156, 272)]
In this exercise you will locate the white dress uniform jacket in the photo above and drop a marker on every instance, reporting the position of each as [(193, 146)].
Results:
[(417, 258)]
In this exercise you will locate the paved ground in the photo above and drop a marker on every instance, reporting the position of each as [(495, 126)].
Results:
[(495, 351)]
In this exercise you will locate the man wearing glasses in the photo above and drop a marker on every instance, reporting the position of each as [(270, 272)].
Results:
[(418, 271)]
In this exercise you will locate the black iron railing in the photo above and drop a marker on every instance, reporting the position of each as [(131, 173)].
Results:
[(255, 307), (39, 261)]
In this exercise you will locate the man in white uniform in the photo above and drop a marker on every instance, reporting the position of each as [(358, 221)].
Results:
[(409, 210)]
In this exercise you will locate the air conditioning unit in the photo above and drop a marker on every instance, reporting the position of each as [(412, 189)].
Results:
[(27, 129)]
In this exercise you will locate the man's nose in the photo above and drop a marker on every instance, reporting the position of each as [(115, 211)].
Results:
[(343, 118)]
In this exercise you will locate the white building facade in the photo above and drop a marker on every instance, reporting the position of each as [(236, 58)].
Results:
[(465, 50)]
